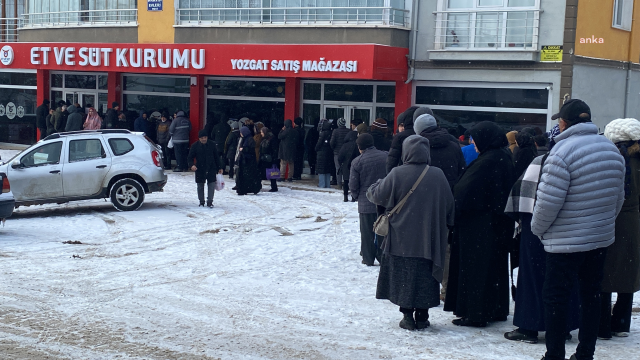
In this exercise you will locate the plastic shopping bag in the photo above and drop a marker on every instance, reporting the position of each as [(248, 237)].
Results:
[(170, 144), (219, 182), (273, 173)]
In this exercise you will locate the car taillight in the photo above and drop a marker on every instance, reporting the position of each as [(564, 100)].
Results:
[(156, 158), (6, 187)]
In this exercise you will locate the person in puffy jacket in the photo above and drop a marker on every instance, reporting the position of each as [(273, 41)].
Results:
[(180, 130), (74, 121), (162, 130), (395, 152), (287, 153), (336, 142), (580, 194), (324, 163)]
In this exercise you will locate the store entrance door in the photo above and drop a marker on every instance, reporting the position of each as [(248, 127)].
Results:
[(83, 98), (349, 113)]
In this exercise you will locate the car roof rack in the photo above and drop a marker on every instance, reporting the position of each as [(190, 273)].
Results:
[(87, 132)]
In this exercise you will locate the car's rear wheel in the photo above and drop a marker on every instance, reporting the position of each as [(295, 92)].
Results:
[(127, 195)]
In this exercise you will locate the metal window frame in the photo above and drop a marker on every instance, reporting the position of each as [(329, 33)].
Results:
[(135, 92), (491, 85), (21, 71)]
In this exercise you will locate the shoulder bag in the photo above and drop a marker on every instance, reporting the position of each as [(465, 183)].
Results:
[(381, 226)]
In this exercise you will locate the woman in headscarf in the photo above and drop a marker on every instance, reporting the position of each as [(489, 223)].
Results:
[(94, 121), (511, 138), (527, 151), (324, 163), (258, 138), (478, 288), (414, 249), (248, 179), (622, 266), (529, 306)]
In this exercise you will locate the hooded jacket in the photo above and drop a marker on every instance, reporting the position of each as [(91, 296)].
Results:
[(74, 121), (111, 119), (420, 229), (180, 129), (366, 169), (395, 152), (348, 152), (581, 192), (324, 153), (446, 154), (288, 142), (337, 138), (140, 124)]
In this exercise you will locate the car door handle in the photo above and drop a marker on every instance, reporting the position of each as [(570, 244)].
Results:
[(101, 166), (54, 172)]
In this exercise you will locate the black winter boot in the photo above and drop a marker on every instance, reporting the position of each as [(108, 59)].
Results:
[(210, 204), (407, 322)]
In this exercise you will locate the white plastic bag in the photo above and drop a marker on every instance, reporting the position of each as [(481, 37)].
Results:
[(219, 182), (170, 144)]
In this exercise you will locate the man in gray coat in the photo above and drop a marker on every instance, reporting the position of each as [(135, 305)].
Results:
[(180, 130), (366, 169), (580, 194), (74, 121)]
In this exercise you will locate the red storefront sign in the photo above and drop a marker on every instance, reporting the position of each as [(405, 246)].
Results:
[(352, 61)]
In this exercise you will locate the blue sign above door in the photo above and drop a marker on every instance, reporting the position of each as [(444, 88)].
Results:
[(154, 5)]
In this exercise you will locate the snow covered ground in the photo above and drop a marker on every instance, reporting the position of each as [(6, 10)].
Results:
[(272, 276)]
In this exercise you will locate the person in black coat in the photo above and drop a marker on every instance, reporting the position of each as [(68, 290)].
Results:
[(299, 163), (395, 152), (379, 131), (348, 152), (527, 151), (111, 117), (268, 155), (310, 144), (231, 146), (478, 289), (324, 163), (287, 152), (336, 142), (41, 118), (248, 179), (204, 159)]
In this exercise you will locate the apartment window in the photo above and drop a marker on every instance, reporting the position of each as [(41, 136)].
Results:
[(622, 14), (77, 12), (487, 24)]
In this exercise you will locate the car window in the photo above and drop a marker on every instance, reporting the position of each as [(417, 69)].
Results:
[(87, 149), (120, 146), (44, 155)]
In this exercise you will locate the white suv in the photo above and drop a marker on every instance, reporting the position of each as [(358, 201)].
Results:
[(116, 164)]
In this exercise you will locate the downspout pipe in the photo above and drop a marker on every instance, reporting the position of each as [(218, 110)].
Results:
[(412, 50)]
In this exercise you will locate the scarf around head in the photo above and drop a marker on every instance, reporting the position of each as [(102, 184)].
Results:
[(93, 122), (523, 193)]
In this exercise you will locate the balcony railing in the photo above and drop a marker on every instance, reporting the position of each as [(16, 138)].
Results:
[(8, 29), (80, 18), (487, 30), (386, 16)]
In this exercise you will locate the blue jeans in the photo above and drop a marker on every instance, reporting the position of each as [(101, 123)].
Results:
[(324, 180)]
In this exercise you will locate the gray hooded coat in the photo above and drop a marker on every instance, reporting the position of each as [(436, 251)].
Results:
[(581, 192), (180, 129), (420, 229), (74, 121)]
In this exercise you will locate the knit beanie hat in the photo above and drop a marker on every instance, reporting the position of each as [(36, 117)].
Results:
[(364, 141), (423, 122), (342, 122), (114, 104), (419, 112), (362, 128), (380, 124), (202, 133), (620, 130)]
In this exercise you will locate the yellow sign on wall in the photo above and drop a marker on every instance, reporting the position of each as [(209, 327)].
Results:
[(551, 53)]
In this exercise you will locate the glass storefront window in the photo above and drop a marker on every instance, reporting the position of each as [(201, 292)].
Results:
[(386, 94), (312, 91), (103, 103), (170, 104), (348, 92), (55, 97), (456, 121), (102, 82), (274, 89), (56, 80), (387, 113), (270, 113), (80, 81), (157, 84), (11, 78), (18, 125), (483, 97), (311, 114)]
